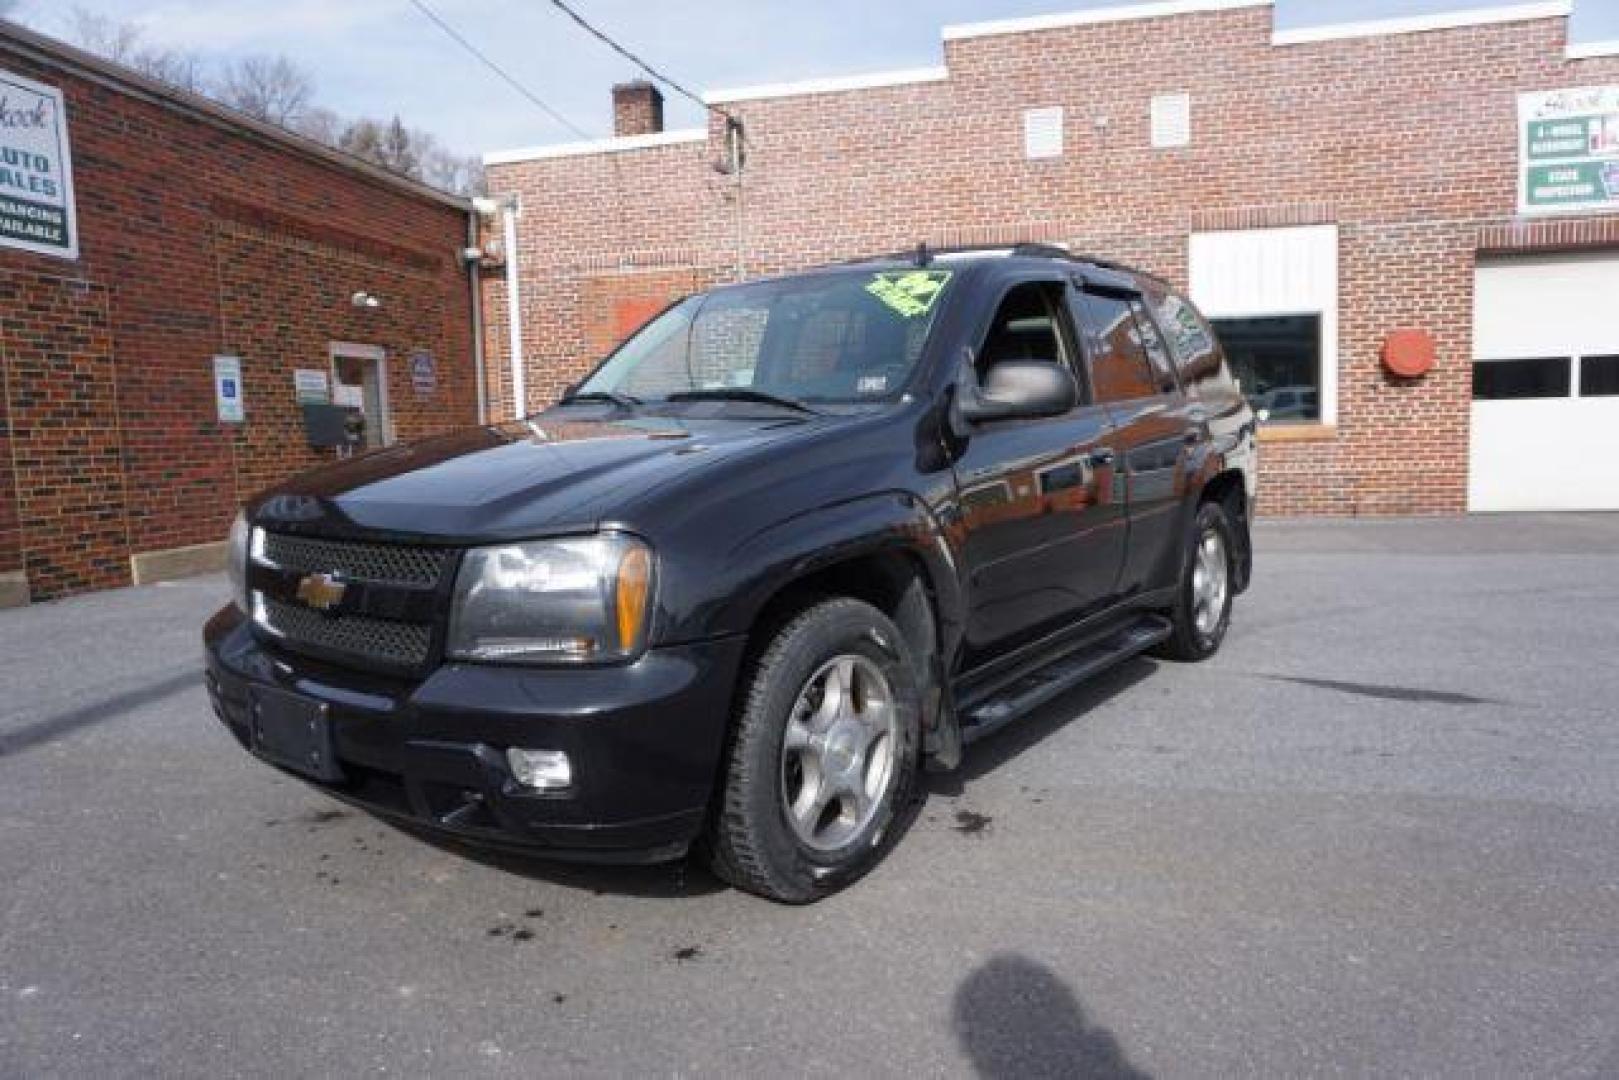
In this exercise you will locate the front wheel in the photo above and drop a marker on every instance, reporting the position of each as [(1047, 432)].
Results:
[(1202, 610), (823, 757)]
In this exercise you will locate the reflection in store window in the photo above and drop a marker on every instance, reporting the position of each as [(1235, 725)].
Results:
[(1278, 360)]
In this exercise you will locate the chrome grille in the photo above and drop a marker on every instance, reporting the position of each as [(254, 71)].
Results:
[(378, 564), (360, 636)]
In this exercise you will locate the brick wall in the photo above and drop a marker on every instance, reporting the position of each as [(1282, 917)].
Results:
[(61, 393), (198, 237), (1408, 143)]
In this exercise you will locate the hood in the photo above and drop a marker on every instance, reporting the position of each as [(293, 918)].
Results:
[(554, 472)]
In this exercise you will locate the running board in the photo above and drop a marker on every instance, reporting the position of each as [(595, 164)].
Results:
[(1044, 684)]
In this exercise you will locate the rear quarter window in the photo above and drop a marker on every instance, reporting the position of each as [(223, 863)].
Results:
[(1196, 350)]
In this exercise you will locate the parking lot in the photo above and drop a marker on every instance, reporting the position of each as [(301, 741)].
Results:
[(1379, 833)]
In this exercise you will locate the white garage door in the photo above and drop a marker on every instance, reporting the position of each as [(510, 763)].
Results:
[(1545, 432)]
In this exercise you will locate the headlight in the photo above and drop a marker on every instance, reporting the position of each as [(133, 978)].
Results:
[(551, 601), (241, 535)]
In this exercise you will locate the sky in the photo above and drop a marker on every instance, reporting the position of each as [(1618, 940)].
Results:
[(383, 57)]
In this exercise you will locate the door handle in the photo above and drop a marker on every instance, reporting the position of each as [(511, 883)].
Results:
[(1101, 457)]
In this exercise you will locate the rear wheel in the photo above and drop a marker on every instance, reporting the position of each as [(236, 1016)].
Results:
[(823, 755), (1202, 610)]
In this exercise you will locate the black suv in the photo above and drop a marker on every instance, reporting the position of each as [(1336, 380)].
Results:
[(788, 543)]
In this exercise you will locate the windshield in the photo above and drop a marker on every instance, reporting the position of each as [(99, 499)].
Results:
[(846, 336)]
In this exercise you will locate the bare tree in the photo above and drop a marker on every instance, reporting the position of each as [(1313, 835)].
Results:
[(107, 38), (269, 88), (278, 91), (444, 169), (386, 143), (321, 124), (461, 174), (124, 43)]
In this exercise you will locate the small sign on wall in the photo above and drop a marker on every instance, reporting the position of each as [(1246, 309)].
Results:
[(311, 386), (228, 389), (423, 373)]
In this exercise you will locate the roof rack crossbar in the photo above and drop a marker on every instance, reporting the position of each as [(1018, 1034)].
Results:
[(1023, 249)]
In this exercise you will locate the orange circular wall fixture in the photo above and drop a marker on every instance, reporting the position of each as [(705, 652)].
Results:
[(1409, 353)]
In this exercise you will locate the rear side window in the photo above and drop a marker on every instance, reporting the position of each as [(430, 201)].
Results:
[(1120, 370), (1196, 351), (1163, 368)]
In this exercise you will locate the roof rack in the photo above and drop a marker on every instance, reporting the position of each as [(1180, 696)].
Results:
[(922, 255)]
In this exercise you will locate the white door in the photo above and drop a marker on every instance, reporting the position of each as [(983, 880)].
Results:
[(1545, 413)]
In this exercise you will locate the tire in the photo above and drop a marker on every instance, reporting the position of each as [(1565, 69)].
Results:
[(1202, 611), (829, 718)]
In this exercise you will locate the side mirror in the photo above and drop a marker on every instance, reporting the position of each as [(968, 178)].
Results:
[(1020, 389)]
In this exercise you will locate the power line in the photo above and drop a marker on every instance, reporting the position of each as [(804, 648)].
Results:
[(454, 35), (601, 36)]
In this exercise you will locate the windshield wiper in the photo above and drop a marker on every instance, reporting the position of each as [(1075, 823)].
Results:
[(742, 393), (623, 401)]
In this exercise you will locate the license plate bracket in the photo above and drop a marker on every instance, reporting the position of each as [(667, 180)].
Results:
[(294, 732)]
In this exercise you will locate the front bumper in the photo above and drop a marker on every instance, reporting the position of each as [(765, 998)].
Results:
[(645, 741)]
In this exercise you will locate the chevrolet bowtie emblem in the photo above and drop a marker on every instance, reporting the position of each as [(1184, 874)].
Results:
[(321, 591)]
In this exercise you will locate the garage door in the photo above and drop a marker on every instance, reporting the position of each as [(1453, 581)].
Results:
[(1545, 424)]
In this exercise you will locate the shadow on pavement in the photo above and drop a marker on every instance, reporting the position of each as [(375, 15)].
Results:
[(62, 724), (1015, 1017)]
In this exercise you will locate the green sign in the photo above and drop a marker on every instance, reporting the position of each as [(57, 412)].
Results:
[(1569, 151), (1580, 183), (911, 293), (36, 170)]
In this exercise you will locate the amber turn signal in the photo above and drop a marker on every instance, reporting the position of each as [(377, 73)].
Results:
[(634, 591)]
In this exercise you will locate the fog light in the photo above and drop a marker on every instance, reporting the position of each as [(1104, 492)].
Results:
[(542, 770)]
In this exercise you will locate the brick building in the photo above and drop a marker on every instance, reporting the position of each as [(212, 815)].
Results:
[(1403, 228), (192, 233)]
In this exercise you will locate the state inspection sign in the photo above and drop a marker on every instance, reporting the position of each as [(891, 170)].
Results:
[(36, 170), (1569, 151)]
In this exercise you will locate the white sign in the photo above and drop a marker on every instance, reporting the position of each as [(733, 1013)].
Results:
[(1568, 147), (423, 372), (228, 389), (310, 386), (350, 397), (36, 170)]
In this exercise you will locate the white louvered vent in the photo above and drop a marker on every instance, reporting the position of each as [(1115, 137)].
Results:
[(1042, 132), (1171, 121)]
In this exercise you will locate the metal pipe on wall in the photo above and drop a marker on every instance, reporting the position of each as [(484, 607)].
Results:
[(514, 309), (475, 290)]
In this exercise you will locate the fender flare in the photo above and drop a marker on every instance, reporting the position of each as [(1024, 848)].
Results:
[(815, 540)]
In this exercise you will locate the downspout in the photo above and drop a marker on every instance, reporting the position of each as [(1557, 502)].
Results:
[(514, 309), (475, 291)]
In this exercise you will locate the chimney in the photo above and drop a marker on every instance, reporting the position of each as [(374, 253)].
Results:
[(637, 108)]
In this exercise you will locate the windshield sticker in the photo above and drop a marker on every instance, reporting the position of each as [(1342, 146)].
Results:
[(911, 293), (872, 384)]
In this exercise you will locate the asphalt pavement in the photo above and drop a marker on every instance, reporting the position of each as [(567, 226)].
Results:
[(1377, 835)]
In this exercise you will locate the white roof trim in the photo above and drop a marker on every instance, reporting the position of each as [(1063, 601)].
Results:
[(1092, 16), (832, 85), (1416, 24), (1587, 50), (596, 146)]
